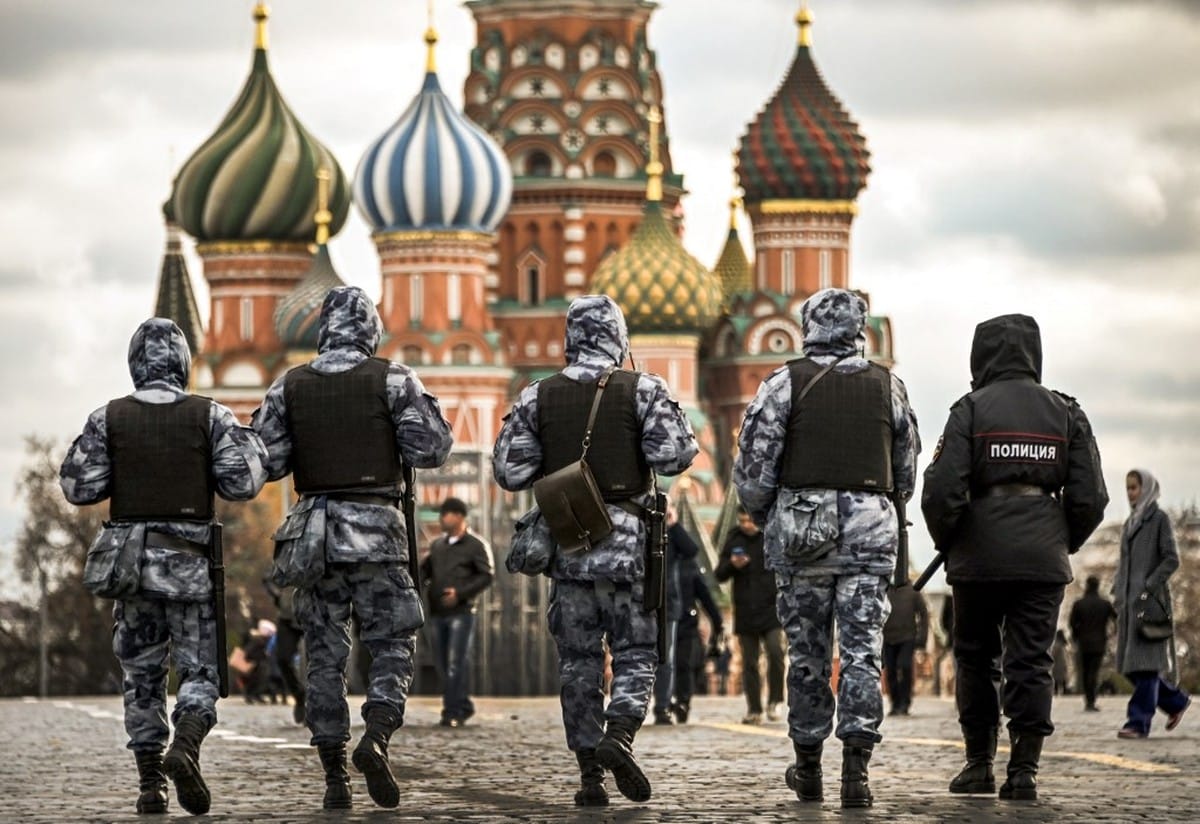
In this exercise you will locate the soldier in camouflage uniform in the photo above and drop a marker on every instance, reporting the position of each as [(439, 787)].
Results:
[(343, 425), (598, 594), (819, 485), (169, 612)]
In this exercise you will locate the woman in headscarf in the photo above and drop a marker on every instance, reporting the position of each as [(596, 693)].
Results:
[(1148, 558)]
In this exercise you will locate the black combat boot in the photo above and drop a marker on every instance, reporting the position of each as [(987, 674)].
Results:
[(298, 710), (804, 777), (615, 754), (152, 782), (371, 756), (977, 775), (591, 792), (337, 779), (855, 790), (681, 709), (1021, 784), (182, 764)]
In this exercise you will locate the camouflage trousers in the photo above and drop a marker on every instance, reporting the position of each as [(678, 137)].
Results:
[(807, 608), (148, 631), (583, 615), (389, 613)]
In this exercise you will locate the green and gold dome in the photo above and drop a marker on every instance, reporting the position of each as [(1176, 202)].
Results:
[(659, 286), (254, 179)]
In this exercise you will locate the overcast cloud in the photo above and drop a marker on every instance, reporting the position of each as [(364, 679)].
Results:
[(1039, 156)]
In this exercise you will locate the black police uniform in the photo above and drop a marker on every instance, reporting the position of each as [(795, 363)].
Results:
[(1014, 488)]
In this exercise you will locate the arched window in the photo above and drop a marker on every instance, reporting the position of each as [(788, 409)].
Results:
[(411, 354), (533, 283), (604, 165), (461, 354), (538, 164)]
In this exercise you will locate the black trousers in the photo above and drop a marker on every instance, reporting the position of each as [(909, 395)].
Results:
[(898, 664), (1013, 625), (752, 643), (687, 648), (287, 641), (1089, 674)]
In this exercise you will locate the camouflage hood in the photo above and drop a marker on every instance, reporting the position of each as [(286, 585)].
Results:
[(833, 321), (596, 331), (349, 320), (1004, 348), (158, 353)]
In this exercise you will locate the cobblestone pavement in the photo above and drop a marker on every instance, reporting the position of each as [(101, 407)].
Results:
[(63, 761)]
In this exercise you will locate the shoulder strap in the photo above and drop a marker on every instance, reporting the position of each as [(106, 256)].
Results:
[(813, 380), (591, 421)]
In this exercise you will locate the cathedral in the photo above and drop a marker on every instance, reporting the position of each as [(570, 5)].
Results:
[(554, 180)]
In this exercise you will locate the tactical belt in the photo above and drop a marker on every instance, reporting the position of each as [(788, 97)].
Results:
[(1013, 491), (163, 540), (364, 498)]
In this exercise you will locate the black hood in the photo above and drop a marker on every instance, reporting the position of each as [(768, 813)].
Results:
[(1005, 348)]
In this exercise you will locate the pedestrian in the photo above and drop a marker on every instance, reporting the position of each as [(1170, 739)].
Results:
[(597, 594), (755, 621), (345, 425), (1090, 617), (255, 680), (456, 571), (679, 544), (689, 653), (905, 631), (826, 445), (159, 456), (287, 644), (1147, 562), (1060, 671), (1015, 487)]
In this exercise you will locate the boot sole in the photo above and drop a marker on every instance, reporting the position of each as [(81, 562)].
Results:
[(338, 805), (190, 788), (1018, 795), (977, 788), (151, 809), (381, 786), (631, 781), (597, 801), (857, 803)]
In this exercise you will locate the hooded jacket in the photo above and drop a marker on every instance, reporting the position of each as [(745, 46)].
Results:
[(596, 339), (349, 334), (159, 364), (1011, 433), (856, 531)]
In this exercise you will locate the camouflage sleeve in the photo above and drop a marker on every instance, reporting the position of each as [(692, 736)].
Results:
[(517, 458), (1084, 494), (947, 490), (86, 471), (668, 441), (906, 441), (238, 455), (760, 445), (422, 431), (269, 423)]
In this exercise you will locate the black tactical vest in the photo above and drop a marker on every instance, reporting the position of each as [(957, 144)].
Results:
[(840, 435), (1019, 436), (341, 428), (615, 456), (161, 457)]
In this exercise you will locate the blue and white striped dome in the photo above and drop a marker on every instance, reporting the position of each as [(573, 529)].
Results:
[(433, 169)]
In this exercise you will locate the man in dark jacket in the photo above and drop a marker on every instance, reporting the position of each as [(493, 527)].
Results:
[(1015, 487), (679, 545), (456, 570), (905, 631), (692, 590), (755, 621), (1090, 616)]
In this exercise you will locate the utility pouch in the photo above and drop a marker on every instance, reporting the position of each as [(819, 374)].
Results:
[(113, 565), (300, 545), (532, 549), (570, 499)]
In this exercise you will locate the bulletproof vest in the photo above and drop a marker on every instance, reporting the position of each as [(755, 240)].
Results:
[(615, 456), (341, 428), (161, 457), (840, 435), (1019, 436)]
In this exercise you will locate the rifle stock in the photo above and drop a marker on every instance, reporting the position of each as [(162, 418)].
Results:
[(655, 596), (410, 523), (216, 571), (900, 575)]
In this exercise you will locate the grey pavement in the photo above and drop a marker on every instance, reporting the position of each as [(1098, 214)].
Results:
[(64, 761)]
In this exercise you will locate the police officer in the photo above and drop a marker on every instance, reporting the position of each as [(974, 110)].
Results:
[(1015, 487), (344, 425), (597, 595), (826, 441), (159, 455)]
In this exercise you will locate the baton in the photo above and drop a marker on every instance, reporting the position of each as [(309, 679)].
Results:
[(934, 566)]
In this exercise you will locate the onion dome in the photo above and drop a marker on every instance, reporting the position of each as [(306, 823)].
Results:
[(298, 315), (803, 144), (176, 300), (733, 268), (433, 169), (255, 177), (658, 285)]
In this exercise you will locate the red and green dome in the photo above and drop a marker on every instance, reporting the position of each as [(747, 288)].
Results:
[(803, 144)]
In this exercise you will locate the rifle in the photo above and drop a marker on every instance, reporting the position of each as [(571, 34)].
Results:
[(410, 523), (900, 576), (655, 596), (216, 571), (938, 560)]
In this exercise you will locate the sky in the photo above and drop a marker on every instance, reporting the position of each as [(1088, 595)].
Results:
[(1036, 156)]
